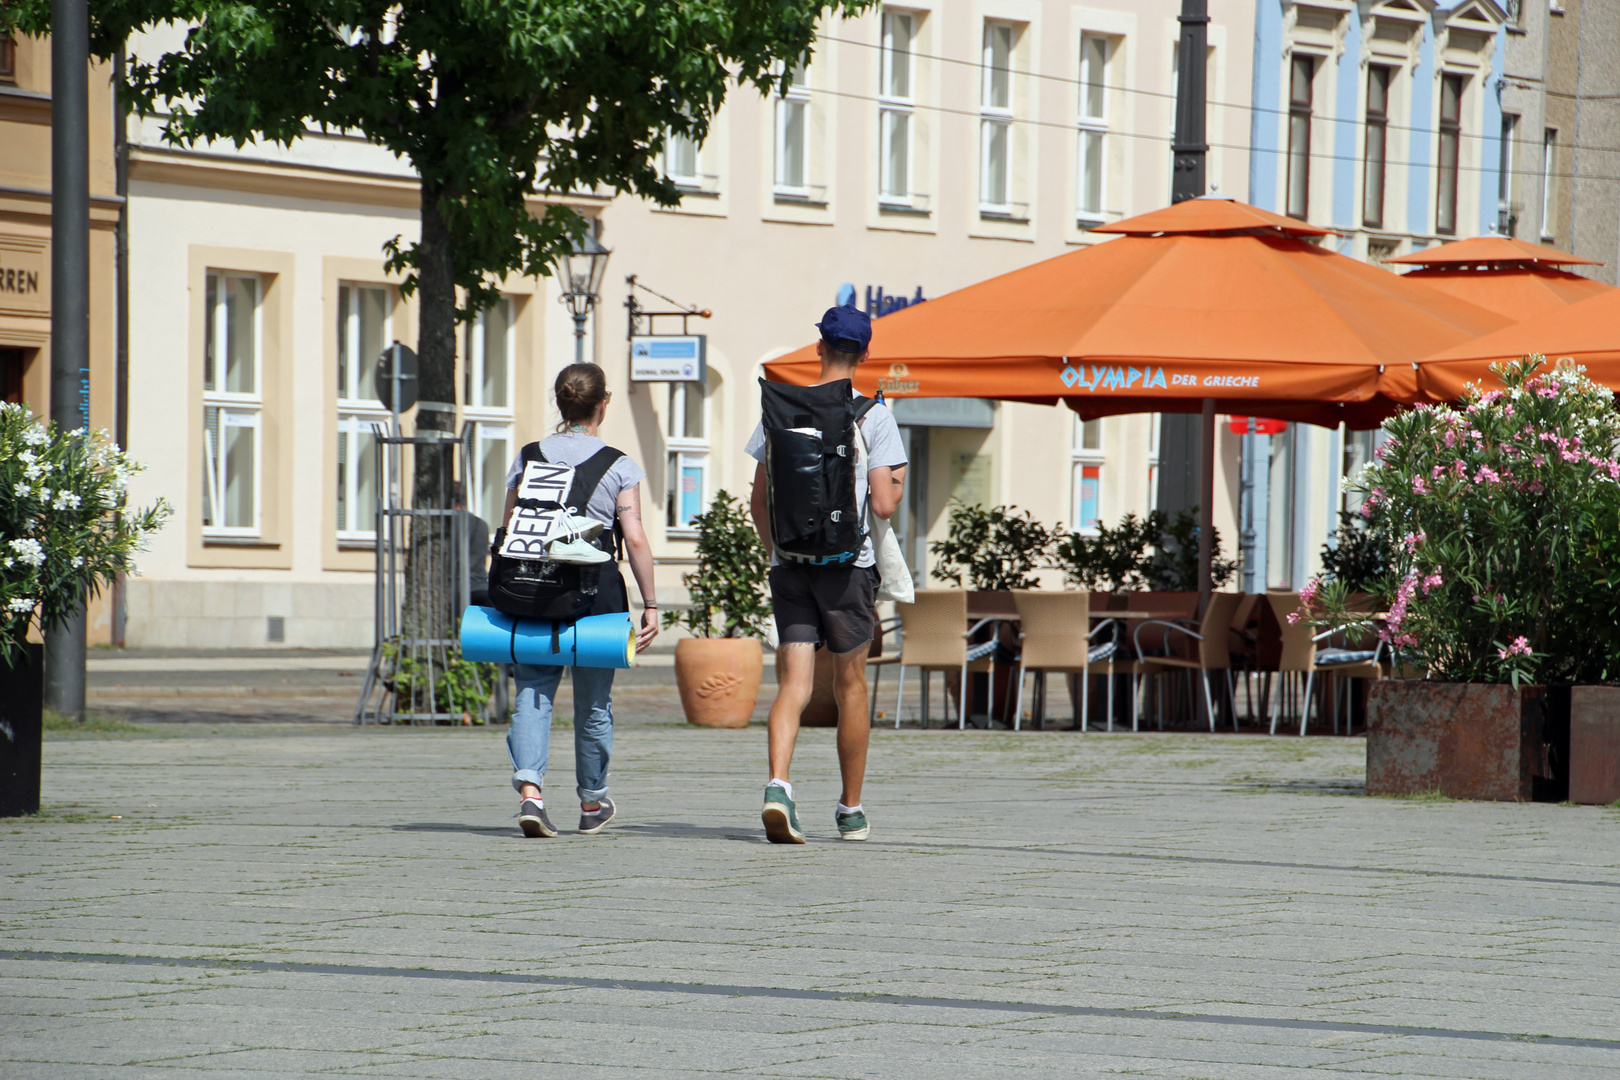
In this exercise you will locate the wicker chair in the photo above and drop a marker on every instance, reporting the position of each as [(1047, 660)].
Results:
[(1055, 637), (1214, 649), (932, 639), (1302, 654)]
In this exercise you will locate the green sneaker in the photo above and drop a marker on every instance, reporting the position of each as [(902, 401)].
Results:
[(853, 825), (780, 818)]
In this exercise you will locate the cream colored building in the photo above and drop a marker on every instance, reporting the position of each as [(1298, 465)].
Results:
[(925, 148)]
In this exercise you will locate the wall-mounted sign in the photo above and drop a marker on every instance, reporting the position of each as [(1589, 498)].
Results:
[(25, 284), (944, 412), (878, 303), (668, 359)]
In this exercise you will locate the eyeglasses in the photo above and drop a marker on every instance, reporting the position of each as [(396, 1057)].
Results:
[(607, 397)]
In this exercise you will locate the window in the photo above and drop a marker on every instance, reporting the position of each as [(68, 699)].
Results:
[(682, 160), (1302, 69), (1358, 454), (996, 114), (364, 319), (687, 482), (232, 405), (1549, 149), (1377, 146), (1507, 179), (1087, 465), (792, 113), (1094, 56), (488, 398), (8, 59), (895, 107), (1445, 199), (1280, 510)]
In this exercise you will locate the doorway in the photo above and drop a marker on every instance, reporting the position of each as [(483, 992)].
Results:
[(13, 362)]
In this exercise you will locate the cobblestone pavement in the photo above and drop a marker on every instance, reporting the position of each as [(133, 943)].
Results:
[(279, 902)]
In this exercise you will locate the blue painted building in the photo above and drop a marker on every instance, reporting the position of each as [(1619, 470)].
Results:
[(1382, 120)]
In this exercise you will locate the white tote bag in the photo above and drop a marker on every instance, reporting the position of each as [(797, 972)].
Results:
[(895, 575)]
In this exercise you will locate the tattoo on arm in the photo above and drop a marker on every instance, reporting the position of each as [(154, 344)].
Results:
[(630, 510)]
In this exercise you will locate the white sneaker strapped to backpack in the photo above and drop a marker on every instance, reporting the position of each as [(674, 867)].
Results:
[(543, 527)]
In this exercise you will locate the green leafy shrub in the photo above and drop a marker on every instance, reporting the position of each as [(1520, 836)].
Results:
[(460, 686), (729, 583), (1155, 552), (65, 531), (998, 548), (1357, 556), (1502, 520)]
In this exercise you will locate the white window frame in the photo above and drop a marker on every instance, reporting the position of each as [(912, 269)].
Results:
[(995, 118), (1092, 135), (686, 452), (897, 109), (692, 180), (493, 423), (796, 97), (356, 414), (1549, 152), (234, 408), (1083, 457)]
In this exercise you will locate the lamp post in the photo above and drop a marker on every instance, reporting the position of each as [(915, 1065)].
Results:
[(582, 270)]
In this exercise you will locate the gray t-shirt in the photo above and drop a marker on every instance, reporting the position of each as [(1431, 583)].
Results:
[(572, 448), (884, 449)]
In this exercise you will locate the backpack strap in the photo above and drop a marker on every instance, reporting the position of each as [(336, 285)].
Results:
[(864, 405), (588, 476)]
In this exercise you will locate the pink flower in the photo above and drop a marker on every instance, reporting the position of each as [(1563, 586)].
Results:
[(1432, 581), (1520, 647), (1308, 594), (1538, 459), (1420, 486), (1295, 618), (1412, 540), (1486, 474)]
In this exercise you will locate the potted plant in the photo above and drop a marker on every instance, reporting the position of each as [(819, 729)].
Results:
[(64, 534), (1500, 526), (1156, 552), (718, 668)]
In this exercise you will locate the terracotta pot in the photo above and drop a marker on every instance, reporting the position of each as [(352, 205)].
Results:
[(822, 709), (1466, 740), (1594, 744), (718, 679)]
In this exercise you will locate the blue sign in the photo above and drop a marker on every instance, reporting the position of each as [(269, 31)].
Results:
[(668, 359), (878, 303)]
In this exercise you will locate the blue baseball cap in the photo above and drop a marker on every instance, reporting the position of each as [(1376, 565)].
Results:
[(846, 329)]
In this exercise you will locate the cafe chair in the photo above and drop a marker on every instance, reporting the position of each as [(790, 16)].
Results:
[(877, 660), (1302, 655), (1054, 637), (932, 639), (1214, 651)]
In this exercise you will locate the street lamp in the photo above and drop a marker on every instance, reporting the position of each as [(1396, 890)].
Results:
[(582, 270)]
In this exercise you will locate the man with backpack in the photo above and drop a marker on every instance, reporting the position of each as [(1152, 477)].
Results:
[(829, 460)]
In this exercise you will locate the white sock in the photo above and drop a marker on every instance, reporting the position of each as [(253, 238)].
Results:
[(784, 785), (537, 799), (842, 809)]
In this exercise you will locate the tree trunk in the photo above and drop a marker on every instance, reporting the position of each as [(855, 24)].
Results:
[(430, 562)]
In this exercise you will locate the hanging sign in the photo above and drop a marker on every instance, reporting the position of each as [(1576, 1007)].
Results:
[(677, 358), (1262, 426)]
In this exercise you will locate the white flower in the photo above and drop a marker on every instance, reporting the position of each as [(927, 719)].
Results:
[(45, 494), (66, 500), (78, 561), (27, 457), (35, 436), (22, 489), (29, 551), (21, 604)]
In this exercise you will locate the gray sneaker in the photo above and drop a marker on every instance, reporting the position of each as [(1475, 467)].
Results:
[(591, 821), (532, 819), (853, 825), (780, 818)]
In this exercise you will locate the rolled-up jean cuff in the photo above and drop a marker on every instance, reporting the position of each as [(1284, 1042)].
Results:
[(589, 795), (528, 776)]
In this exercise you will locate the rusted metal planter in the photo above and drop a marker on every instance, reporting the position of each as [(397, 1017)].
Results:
[(1465, 740), (1594, 744)]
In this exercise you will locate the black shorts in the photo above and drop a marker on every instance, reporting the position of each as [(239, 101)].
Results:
[(835, 606)]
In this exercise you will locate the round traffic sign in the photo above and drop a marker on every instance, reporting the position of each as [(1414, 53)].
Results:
[(403, 359)]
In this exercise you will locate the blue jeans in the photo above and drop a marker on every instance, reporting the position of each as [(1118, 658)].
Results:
[(529, 741)]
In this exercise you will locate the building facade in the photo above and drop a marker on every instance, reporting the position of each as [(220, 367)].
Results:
[(25, 249), (1383, 121), (924, 148)]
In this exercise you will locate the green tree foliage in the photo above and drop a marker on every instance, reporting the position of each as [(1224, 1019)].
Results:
[(730, 578), (1358, 557), (998, 548)]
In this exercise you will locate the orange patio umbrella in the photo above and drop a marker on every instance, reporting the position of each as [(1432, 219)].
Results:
[(1207, 300), (1514, 278), (1587, 333)]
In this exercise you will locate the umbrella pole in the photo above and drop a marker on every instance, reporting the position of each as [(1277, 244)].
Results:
[(1206, 507)]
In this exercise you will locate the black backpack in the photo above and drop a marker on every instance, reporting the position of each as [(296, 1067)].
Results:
[(542, 589), (810, 470)]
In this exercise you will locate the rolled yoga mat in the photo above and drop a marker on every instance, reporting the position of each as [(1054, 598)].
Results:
[(600, 641)]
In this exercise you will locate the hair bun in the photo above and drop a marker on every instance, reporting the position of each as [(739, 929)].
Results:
[(580, 390)]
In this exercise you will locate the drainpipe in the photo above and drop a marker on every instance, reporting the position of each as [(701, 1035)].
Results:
[(120, 612)]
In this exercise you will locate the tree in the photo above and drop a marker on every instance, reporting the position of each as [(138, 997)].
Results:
[(493, 102)]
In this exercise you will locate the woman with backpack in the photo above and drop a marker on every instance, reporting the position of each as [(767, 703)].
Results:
[(615, 503)]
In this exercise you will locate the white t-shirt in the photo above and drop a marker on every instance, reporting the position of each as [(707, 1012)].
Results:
[(884, 449)]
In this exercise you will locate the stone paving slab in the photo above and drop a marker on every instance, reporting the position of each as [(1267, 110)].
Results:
[(279, 902)]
